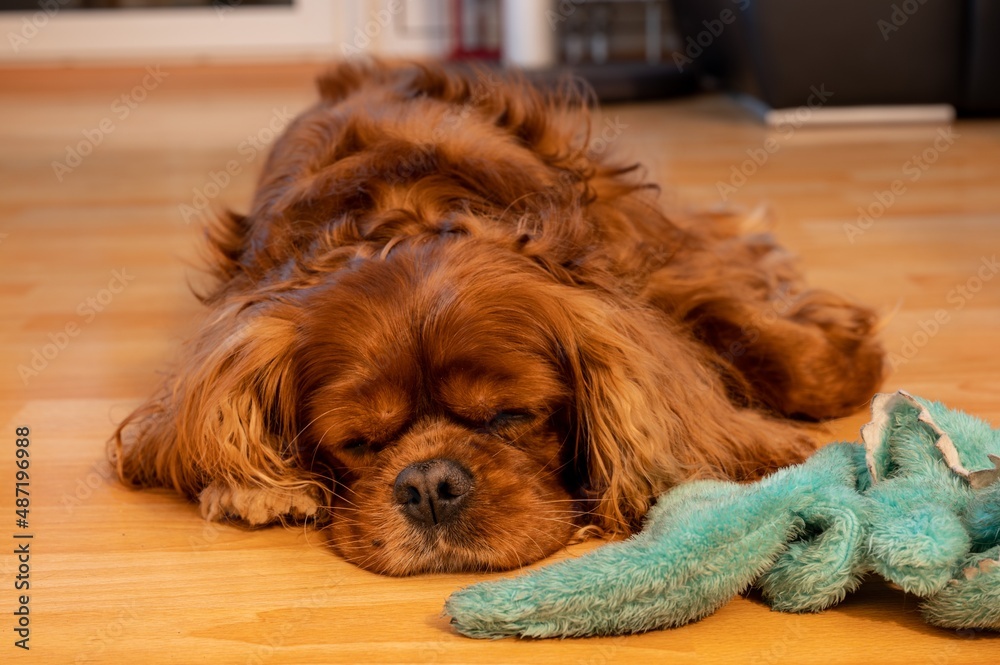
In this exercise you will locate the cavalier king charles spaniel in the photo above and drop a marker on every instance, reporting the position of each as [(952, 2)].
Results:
[(460, 336)]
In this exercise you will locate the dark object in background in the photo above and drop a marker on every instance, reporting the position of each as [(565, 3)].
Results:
[(866, 53), (624, 81), (622, 48), (982, 83)]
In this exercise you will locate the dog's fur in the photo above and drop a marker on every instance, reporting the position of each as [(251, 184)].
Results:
[(437, 267)]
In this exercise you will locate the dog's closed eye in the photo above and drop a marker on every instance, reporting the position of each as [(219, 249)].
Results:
[(357, 445), (508, 420)]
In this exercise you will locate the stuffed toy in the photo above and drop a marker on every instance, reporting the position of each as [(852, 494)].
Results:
[(917, 501)]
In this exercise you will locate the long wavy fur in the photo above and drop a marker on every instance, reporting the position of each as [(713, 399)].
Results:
[(685, 342)]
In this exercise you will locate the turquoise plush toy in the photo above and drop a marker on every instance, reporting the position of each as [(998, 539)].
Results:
[(918, 502)]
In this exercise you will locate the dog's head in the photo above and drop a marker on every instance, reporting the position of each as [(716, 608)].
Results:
[(468, 411), (435, 389)]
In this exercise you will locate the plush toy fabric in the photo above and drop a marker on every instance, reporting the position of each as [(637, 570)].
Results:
[(918, 502)]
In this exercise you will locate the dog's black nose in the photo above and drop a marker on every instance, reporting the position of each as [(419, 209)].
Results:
[(432, 492)]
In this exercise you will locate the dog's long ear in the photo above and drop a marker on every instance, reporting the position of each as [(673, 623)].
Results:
[(227, 412), (652, 409)]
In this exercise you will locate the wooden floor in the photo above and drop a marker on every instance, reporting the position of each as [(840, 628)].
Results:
[(94, 300)]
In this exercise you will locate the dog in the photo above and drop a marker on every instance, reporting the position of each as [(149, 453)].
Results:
[(458, 336)]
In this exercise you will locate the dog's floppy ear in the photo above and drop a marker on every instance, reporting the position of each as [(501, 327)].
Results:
[(226, 413), (652, 409)]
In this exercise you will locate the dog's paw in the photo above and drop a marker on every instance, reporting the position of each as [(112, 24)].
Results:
[(257, 506)]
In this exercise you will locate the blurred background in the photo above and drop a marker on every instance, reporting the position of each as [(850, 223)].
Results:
[(873, 53)]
